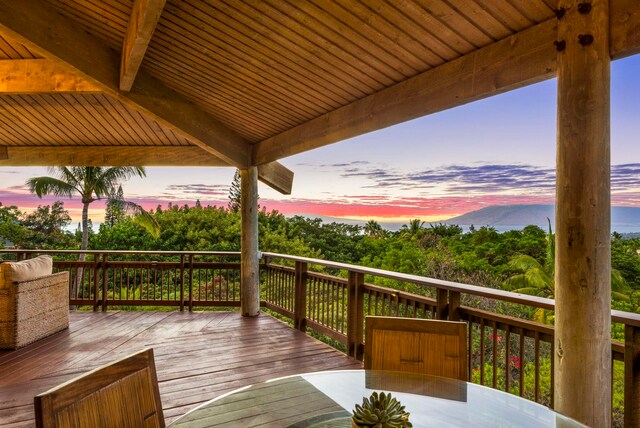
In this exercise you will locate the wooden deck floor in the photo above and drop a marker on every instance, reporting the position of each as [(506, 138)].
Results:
[(199, 356)]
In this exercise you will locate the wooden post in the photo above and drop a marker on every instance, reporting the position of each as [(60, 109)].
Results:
[(355, 315), (442, 303), (105, 279), (250, 268), (583, 225), (632, 376), (182, 283), (191, 283), (96, 281), (454, 306), (300, 297)]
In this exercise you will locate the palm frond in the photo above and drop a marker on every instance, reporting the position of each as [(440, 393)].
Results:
[(142, 218), (50, 186)]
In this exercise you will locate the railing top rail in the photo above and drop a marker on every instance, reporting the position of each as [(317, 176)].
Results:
[(627, 318), (475, 290), (168, 253)]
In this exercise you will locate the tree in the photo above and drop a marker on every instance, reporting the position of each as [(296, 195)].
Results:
[(373, 229), (115, 210), (44, 227), (11, 229), (91, 183), (235, 193)]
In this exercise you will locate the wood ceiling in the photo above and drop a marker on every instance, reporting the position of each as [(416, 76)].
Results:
[(240, 83)]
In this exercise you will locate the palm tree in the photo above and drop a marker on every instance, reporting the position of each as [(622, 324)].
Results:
[(373, 229), (414, 228), (537, 279), (91, 183)]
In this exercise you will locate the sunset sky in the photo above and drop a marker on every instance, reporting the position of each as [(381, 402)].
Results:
[(497, 151)]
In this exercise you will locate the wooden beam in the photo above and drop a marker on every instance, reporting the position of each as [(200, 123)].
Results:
[(277, 176), (36, 25), (106, 156), (582, 343), (29, 76), (522, 59), (142, 23), (516, 61), (624, 25), (249, 260)]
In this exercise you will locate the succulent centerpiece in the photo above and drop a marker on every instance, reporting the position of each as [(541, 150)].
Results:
[(380, 410)]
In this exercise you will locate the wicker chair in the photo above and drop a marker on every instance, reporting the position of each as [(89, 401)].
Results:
[(121, 394), (430, 347), (34, 303)]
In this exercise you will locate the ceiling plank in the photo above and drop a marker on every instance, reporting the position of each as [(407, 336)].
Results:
[(522, 59), (276, 176), (106, 156), (516, 61), (32, 76), (142, 23), (36, 25)]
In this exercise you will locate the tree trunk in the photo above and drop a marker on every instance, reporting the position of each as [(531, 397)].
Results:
[(76, 285)]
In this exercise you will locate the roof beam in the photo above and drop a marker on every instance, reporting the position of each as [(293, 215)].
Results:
[(35, 24), (276, 176), (516, 61), (43, 31), (142, 23), (106, 156), (32, 76), (522, 59), (624, 28)]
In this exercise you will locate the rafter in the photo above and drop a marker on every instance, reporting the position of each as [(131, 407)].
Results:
[(37, 26), (106, 156), (29, 76), (142, 23)]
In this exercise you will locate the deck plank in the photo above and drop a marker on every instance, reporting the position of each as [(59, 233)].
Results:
[(199, 356)]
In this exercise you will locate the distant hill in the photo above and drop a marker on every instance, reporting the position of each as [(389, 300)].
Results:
[(522, 215)]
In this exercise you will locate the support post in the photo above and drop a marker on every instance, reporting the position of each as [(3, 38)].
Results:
[(105, 280), (442, 304), (182, 283), (300, 296), (250, 268), (355, 315), (582, 351), (632, 376)]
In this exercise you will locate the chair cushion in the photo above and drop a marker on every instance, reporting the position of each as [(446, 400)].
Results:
[(25, 270)]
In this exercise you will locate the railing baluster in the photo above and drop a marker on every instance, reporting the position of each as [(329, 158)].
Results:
[(300, 307)]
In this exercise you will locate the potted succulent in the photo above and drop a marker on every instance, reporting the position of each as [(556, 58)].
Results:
[(381, 411)]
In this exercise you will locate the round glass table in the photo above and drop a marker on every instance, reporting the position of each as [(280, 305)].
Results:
[(326, 399)]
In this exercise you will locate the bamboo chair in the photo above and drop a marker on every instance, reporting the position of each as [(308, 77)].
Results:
[(430, 347), (122, 394)]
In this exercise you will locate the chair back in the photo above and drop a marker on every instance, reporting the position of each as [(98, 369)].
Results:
[(122, 394), (430, 347)]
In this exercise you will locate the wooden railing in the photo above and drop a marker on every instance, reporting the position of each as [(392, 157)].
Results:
[(147, 278), (505, 352)]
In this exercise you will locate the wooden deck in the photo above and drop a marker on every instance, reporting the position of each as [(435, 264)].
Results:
[(199, 356)]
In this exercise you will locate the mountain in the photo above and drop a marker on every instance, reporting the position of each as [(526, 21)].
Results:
[(522, 215)]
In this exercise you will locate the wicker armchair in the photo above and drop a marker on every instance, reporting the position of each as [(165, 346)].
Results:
[(32, 308)]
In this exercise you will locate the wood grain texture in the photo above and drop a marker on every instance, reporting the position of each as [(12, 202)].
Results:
[(277, 176), (106, 156), (123, 393), (522, 59), (38, 26), (142, 23), (27, 76), (198, 356), (430, 347), (249, 261), (583, 199)]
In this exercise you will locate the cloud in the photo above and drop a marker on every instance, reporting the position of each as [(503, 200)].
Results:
[(200, 189)]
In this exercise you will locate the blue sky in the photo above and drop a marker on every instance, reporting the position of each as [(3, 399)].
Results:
[(495, 151)]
